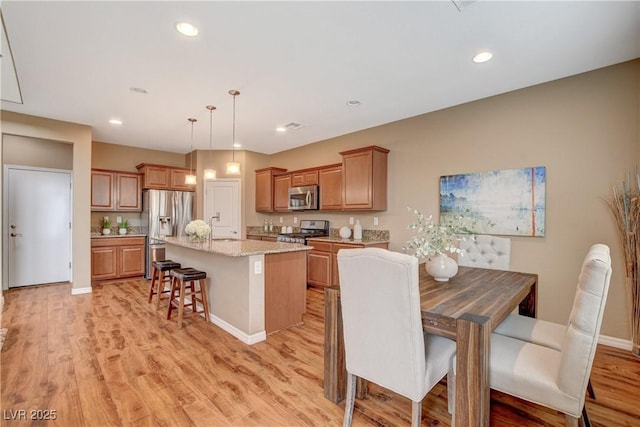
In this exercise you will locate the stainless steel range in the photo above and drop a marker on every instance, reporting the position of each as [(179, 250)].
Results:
[(308, 229)]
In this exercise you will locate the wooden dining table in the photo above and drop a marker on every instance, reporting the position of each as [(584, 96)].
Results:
[(466, 309)]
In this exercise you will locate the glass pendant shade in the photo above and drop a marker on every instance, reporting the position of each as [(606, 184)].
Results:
[(233, 168), (190, 179), (210, 174)]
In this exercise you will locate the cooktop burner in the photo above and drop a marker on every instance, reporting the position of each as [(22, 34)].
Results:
[(308, 229)]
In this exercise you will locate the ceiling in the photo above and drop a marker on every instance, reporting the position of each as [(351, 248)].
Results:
[(292, 62)]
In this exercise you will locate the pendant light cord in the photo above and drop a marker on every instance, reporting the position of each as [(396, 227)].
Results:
[(192, 120)]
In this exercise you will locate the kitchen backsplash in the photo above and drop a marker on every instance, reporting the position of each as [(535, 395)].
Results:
[(383, 235)]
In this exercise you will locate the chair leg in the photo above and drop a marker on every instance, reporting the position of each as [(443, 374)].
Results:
[(592, 394), (451, 393), (571, 421), (203, 297), (585, 417), (152, 285), (351, 397), (416, 413)]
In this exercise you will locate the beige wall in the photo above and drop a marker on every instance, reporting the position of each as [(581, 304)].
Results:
[(80, 136), (22, 151), (584, 129), (125, 158)]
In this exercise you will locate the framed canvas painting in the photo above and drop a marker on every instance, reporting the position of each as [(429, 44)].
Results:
[(502, 202)]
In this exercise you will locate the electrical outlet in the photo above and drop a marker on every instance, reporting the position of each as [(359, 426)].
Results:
[(257, 267), (118, 219), (295, 219), (375, 220), (280, 220), (350, 220)]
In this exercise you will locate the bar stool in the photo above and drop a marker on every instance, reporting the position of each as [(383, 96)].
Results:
[(183, 279), (160, 277)]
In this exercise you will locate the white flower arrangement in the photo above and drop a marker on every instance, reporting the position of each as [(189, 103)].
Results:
[(197, 229), (433, 238)]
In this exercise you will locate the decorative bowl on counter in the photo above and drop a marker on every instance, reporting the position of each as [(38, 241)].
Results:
[(345, 232)]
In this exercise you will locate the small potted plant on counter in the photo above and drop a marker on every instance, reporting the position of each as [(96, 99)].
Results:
[(106, 225), (124, 227)]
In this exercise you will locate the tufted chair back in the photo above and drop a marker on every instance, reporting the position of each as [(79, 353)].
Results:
[(486, 252), (581, 335)]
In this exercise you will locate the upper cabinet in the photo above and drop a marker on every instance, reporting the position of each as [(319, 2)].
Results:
[(358, 183), (265, 188), (162, 177), (116, 190), (364, 179), (281, 184), (304, 177), (330, 183)]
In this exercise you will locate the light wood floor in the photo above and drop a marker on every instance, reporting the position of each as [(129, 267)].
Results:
[(109, 358)]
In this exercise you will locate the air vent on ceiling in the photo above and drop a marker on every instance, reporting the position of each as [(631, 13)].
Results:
[(292, 126), (461, 4)]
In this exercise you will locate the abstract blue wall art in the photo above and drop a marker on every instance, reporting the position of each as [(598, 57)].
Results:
[(503, 202)]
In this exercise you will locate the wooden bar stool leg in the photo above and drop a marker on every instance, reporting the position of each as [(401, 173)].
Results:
[(203, 298), (161, 285), (192, 292), (152, 286), (174, 286), (181, 303)]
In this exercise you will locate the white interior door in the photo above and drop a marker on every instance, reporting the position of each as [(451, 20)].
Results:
[(222, 203), (38, 226)]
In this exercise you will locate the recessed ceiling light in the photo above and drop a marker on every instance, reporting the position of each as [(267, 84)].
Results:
[(482, 57), (281, 129), (115, 121), (187, 29), (237, 145), (354, 103), (138, 90)]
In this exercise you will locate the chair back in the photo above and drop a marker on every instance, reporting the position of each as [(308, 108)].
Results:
[(581, 336), (383, 335), (485, 251)]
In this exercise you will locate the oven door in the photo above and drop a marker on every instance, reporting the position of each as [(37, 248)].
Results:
[(303, 198)]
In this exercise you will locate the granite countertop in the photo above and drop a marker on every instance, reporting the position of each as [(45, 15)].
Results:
[(365, 242), (263, 233), (236, 247), (105, 236)]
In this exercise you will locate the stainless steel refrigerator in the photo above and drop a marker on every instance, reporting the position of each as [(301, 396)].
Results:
[(164, 213)]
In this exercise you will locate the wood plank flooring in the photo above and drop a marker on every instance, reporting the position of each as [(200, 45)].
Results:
[(111, 359)]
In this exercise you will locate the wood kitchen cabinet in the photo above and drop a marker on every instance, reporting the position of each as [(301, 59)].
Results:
[(364, 179), (117, 257), (322, 260), (116, 191), (330, 184), (304, 177), (281, 184), (265, 188), (161, 177)]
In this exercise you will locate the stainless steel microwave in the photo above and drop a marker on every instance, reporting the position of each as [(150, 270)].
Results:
[(303, 198)]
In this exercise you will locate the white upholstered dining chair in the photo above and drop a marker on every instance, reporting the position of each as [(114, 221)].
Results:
[(383, 337), (484, 251), (557, 377)]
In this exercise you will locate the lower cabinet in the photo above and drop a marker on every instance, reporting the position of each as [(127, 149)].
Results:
[(117, 257), (322, 260), (259, 237)]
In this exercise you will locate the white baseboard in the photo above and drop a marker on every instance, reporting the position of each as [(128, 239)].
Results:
[(80, 291), (242, 336), (615, 342)]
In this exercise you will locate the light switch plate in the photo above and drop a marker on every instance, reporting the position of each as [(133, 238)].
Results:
[(257, 268), (350, 220)]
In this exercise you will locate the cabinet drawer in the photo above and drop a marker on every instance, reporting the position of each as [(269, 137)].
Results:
[(320, 246), (338, 246), (117, 241)]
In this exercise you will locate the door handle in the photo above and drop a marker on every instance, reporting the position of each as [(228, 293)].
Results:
[(15, 235), (308, 199)]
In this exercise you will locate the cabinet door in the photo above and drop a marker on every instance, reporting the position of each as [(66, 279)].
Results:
[(128, 192), (104, 263), (131, 261), (319, 268), (364, 179), (281, 184), (299, 179), (156, 177), (264, 191), (330, 180), (102, 190), (177, 180)]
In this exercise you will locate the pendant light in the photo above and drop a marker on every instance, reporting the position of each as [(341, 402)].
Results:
[(233, 167), (210, 173), (190, 179)]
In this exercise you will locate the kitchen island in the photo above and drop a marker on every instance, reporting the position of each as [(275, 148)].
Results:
[(254, 287)]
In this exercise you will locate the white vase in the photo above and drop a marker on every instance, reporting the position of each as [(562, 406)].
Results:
[(122, 231), (441, 268), (106, 231)]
